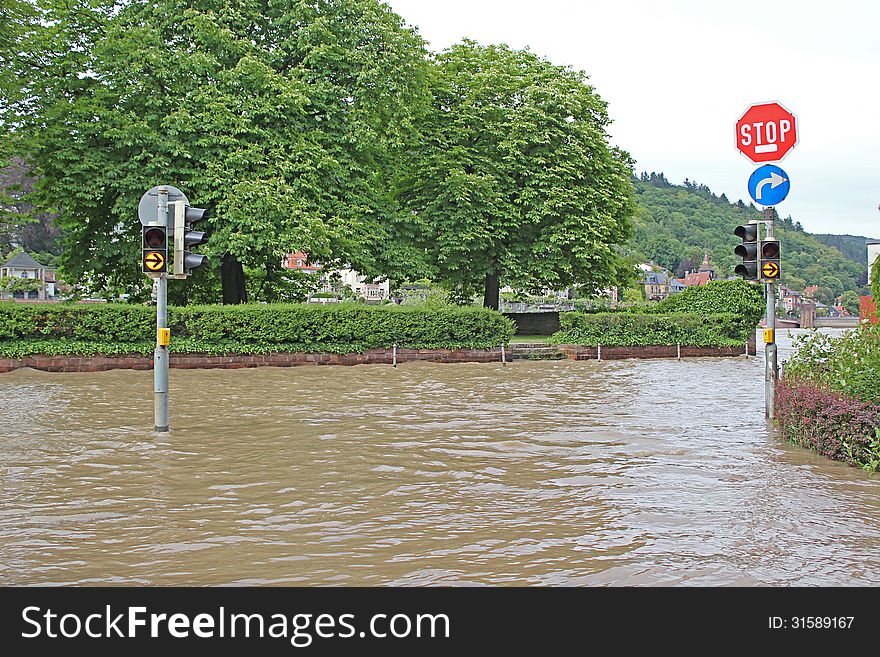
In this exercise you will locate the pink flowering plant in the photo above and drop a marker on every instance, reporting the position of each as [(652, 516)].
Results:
[(829, 398)]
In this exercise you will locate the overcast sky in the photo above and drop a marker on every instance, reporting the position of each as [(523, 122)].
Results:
[(678, 74)]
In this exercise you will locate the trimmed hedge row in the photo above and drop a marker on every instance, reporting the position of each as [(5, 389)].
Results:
[(636, 330), (246, 329)]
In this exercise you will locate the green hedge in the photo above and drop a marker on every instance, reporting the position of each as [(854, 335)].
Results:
[(734, 296), (258, 328), (634, 329)]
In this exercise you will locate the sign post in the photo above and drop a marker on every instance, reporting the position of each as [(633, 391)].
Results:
[(160, 354), (766, 132), (771, 368), (153, 211)]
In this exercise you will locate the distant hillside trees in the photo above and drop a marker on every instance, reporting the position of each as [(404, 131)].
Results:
[(676, 225)]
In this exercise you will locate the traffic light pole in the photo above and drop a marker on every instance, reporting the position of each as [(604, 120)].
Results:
[(160, 355), (771, 371)]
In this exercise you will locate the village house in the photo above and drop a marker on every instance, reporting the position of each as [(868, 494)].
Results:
[(789, 300), (347, 277), (23, 266), (656, 285), (701, 276)]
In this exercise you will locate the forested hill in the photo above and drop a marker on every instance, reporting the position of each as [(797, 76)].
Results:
[(854, 247), (676, 225)]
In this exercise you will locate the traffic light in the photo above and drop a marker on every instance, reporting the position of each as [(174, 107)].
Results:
[(770, 265), (748, 251), (155, 250), (185, 218)]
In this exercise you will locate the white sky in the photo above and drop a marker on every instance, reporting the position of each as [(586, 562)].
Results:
[(677, 74)]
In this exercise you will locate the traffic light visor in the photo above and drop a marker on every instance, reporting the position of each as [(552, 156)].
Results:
[(154, 238), (748, 232), (747, 250), (194, 215), (748, 270)]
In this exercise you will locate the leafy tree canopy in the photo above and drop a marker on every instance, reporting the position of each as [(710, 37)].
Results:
[(515, 182), (283, 118)]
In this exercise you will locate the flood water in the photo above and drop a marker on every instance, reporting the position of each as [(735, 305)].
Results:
[(631, 472)]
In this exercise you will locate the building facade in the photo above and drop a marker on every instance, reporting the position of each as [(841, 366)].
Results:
[(346, 277), (24, 267)]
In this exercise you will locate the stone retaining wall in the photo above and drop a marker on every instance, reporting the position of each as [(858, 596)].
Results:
[(370, 356), (197, 361), (580, 352)]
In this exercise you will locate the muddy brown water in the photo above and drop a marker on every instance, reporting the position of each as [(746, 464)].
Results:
[(538, 473)]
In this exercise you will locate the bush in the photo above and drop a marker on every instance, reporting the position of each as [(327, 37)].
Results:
[(849, 365), (636, 329), (737, 296), (258, 328), (833, 425)]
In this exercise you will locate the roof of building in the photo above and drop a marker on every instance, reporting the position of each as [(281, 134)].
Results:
[(697, 278), (290, 262), (655, 278), (705, 266), (23, 261)]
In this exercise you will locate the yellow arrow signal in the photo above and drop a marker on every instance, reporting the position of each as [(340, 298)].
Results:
[(154, 261), (770, 270)]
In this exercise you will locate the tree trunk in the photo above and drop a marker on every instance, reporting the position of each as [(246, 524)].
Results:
[(232, 277), (491, 292)]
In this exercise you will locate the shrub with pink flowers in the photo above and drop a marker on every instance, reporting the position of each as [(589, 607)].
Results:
[(834, 425), (829, 398)]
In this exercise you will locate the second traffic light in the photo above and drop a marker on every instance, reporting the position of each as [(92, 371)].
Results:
[(154, 254), (748, 251), (770, 263), (185, 218)]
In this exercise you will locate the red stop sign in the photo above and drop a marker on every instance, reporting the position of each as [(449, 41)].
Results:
[(766, 132)]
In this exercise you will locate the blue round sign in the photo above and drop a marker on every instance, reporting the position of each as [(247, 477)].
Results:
[(769, 185)]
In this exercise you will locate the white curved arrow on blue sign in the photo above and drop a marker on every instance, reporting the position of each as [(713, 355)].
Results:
[(769, 185)]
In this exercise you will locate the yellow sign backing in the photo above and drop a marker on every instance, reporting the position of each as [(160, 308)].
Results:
[(768, 336)]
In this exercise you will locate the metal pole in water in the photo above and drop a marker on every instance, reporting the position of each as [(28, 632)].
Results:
[(771, 371), (678, 350), (394, 355), (599, 352), (503, 356), (160, 355)]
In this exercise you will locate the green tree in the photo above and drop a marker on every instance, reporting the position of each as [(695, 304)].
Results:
[(285, 119), (515, 182), (850, 301), (875, 280)]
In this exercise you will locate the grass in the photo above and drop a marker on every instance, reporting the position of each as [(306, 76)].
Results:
[(529, 339)]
